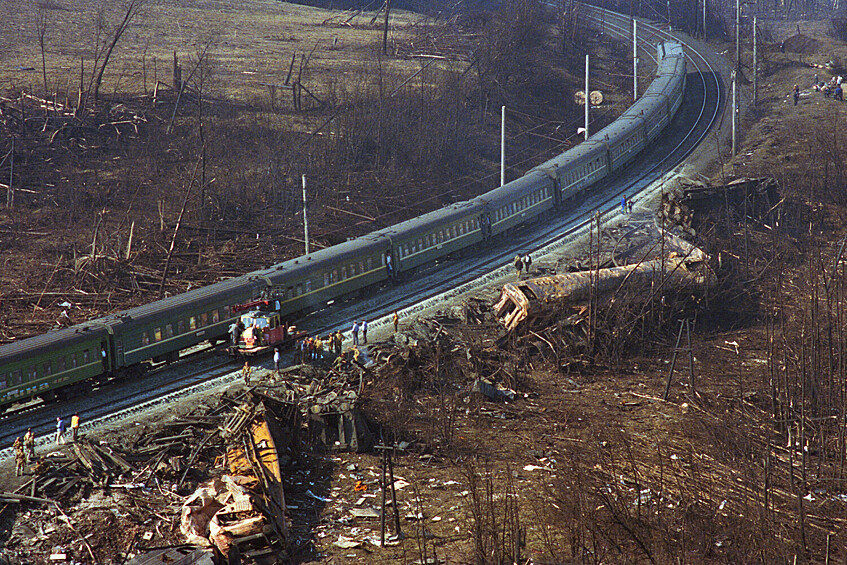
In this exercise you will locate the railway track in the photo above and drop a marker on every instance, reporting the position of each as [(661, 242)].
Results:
[(440, 281)]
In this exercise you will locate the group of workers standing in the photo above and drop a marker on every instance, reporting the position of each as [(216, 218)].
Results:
[(25, 447), (313, 348), (24, 452)]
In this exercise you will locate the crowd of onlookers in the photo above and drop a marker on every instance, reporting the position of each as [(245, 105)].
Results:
[(829, 88)]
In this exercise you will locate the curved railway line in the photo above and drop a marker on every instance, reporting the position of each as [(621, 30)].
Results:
[(456, 273)]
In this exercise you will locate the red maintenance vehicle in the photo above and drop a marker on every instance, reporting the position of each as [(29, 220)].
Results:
[(260, 329)]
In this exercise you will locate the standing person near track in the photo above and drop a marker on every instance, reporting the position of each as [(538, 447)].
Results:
[(276, 359), (20, 458), (365, 331), (74, 426), (336, 340), (29, 446), (396, 320), (518, 265), (355, 331), (60, 431)]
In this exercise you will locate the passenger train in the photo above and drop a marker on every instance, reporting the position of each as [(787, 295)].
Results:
[(125, 343)]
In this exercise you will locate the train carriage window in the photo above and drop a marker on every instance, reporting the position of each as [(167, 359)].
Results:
[(308, 286), (157, 334), (74, 360), (440, 236), (60, 364), (216, 316), (145, 340), (343, 274), (3, 381), (32, 373), (289, 292), (180, 326), (17, 377), (334, 276), (326, 279), (370, 263), (169, 330), (192, 323), (353, 270), (299, 289), (47, 369), (453, 229), (85, 356), (361, 267), (204, 319)]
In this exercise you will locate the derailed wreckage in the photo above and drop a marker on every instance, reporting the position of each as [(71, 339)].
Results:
[(685, 269), (117, 500)]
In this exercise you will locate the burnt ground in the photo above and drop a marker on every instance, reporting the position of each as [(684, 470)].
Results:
[(589, 464)]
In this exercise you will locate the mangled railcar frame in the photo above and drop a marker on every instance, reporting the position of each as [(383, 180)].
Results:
[(524, 300)]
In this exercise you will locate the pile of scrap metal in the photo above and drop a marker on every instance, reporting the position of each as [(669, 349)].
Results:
[(447, 348), (526, 300), (756, 197), (328, 402)]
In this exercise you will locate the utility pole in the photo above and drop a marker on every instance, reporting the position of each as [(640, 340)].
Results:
[(755, 65), (737, 35), (385, 29), (734, 79), (502, 145), (305, 217), (635, 59), (587, 101)]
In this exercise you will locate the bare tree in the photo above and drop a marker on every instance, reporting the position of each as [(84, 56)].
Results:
[(131, 10), (41, 23)]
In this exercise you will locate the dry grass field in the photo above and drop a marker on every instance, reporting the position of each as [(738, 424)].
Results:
[(250, 43)]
